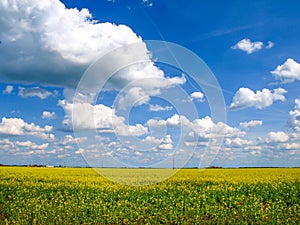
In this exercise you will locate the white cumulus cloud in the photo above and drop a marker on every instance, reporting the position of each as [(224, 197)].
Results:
[(18, 127), (199, 96), (45, 42), (144, 83), (291, 146), (203, 127), (6, 144), (289, 71), (167, 143), (69, 139), (277, 137), (164, 143), (237, 142), (48, 115), (99, 117), (294, 120), (248, 46), (31, 146), (251, 124), (245, 98), (151, 140), (135, 96)]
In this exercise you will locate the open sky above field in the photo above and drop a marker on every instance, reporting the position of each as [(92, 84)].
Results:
[(150, 113)]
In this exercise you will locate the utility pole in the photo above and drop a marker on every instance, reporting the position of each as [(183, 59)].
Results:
[(173, 163)]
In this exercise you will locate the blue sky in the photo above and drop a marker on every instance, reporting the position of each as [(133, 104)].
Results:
[(149, 113)]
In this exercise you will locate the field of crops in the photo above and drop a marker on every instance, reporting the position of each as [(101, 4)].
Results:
[(191, 196)]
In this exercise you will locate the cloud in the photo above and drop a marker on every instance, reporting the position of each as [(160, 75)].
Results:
[(6, 145), (8, 89), (248, 46), (147, 3), (237, 142), (289, 71), (164, 143), (156, 123), (70, 140), (142, 83), (32, 146), (251, 124), (291, 146), (48, 115), (158, 108), (199, 96), (34, 92), (295, 136), (15, 148), (175, 120), (99, 117), (18, 127), (134, 97), (203, 127), (167, 143), (294, 120), (45, 42), (151, 140), (277, 144), (152, 147), (245, 98), (270, 44), (277, 137)]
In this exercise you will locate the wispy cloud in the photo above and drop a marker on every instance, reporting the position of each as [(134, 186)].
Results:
[(34, 92), (8, 89), (147, 3), (221, 32), (157, 108)]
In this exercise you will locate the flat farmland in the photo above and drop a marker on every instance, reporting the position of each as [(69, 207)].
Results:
[(190, 196)]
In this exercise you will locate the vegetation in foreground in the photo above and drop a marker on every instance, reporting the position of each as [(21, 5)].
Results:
[(212, 196)]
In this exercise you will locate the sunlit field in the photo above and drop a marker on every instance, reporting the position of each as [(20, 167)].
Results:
[(191, 196)]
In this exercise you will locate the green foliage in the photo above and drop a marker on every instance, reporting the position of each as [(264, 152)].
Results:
[(212, 196)]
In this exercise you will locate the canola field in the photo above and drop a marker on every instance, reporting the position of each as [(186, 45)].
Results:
[(191, 196)]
